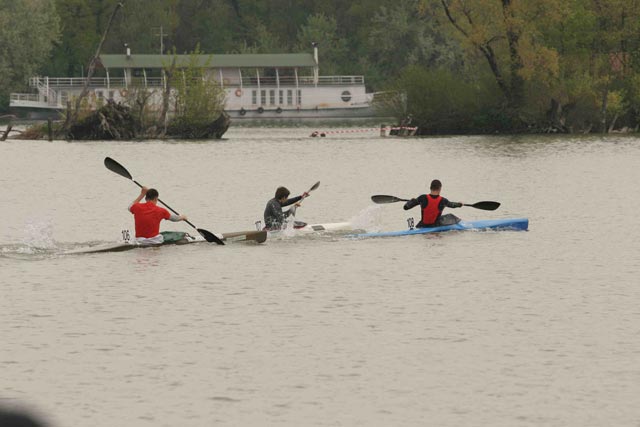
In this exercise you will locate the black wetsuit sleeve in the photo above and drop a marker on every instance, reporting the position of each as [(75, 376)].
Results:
[(420, 200), (291, 201), (445, 203)]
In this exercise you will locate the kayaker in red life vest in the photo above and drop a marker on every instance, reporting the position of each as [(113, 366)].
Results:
[(432, 206), (148, 215)]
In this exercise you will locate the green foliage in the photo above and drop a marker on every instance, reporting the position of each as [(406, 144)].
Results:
[(568, 64), (28, 30), (440, 102), (323, 30), (199, 99), (400, 35)]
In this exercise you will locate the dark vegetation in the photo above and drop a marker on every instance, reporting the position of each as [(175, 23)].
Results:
[(461, 66)]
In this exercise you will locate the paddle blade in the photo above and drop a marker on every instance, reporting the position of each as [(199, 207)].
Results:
[(386, 199), (209, 236), (116, 167), (315, 186), (486, 206)]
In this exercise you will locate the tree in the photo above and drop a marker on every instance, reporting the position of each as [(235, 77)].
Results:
[(198, 99), (404, 35), (333, 48), (506, 33), (82, 24), (28, 30)]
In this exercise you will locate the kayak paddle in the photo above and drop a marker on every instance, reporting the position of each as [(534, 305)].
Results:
[(116, 167), (387, 199), (294, 207), (314, 187), (486, 206)]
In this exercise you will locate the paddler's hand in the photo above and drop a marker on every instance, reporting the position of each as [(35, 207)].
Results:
[(297, 205), (305, 195), (182, 217), (143, 191)]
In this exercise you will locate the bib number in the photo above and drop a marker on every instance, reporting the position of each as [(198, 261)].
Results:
[(126, 236), (410, 223)]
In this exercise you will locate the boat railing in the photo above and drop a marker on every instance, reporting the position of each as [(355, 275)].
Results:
[(30, 97), (303, 81), (121, 82), (340, 80), (66, 81)]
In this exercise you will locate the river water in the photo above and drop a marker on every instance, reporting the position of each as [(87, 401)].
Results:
[(458, 329)]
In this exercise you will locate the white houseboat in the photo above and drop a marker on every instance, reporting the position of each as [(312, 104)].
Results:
[(257, 86)]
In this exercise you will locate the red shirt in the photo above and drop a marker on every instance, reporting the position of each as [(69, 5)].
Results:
[(147, 217)]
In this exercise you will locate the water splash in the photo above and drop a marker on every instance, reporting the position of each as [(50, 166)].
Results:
[(37, 242), (368, 219), (38, 234)]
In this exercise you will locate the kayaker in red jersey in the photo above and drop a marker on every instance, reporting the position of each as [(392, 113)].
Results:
[(432, 206), (148, 215)]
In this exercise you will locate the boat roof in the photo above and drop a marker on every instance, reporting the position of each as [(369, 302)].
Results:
[(242, 60)]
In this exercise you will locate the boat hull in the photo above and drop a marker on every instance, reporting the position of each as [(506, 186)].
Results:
[(489, 224), (331, 227), (237, 236)]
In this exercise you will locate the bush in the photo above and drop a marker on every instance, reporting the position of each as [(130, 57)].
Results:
[(441, 102)]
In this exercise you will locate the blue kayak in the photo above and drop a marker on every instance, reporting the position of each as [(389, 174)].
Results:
[(487, 224)]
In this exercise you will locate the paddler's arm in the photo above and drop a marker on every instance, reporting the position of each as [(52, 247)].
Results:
[(449, 204), (292, 201), (143, 192), (414, 202), (177, 218)]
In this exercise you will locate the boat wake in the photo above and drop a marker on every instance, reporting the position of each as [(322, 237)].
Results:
[(26, 252), (36, 243)]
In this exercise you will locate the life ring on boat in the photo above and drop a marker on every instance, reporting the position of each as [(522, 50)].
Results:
[(242, 111), (278, 110), (260, 110), (124, 93), (238, 93)]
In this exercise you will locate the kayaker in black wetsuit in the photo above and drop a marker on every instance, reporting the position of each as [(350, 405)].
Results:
[(274, 217), (432, 206)]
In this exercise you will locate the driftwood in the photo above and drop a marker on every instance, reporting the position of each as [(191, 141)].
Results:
[(212, 130), (111, 121), (6, 132), (116, 121)]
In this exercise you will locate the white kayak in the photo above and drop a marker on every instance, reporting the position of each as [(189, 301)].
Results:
[(317, 228), (302, 228), (171, 238)]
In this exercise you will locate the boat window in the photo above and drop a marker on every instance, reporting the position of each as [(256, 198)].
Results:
[(346, 96), (289, 97), (272, 96), (299, 97), (111, 95), (263, 97), (254, 97), (281, 97)]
